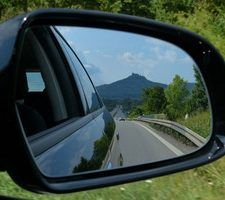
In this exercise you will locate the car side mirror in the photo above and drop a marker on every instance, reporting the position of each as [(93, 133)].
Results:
[(95, 99)]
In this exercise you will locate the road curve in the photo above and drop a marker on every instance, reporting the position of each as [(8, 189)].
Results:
[(139, 144)]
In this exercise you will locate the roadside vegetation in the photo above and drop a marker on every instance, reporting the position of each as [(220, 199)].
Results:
[(206, 17), (179, 103), (169, 131), (175, 101), (199, 123)]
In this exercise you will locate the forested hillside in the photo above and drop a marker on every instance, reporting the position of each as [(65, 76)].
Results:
[(206, 17), (130, 87)]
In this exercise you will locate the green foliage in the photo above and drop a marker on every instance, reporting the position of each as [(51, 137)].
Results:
[(136, 111), (205, 22), (4, 4), (166, 10), (202, 127), (177, 5), (154, 100), (136, 7), (177, 96), (128, 104), (199, 100), (174, 100), (218, 16), (198, 122), (101, 146), (169, 131)]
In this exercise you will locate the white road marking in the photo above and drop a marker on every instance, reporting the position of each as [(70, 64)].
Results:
[(162, 140)]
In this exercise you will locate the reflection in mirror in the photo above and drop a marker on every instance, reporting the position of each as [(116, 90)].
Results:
[(149, 105)]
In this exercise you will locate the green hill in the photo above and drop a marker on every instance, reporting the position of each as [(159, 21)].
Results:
[(129, 88)]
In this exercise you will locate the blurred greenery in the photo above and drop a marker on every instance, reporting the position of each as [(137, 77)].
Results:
[(206, 17)]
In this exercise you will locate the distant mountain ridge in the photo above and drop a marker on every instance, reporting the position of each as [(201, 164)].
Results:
[(130, 87)]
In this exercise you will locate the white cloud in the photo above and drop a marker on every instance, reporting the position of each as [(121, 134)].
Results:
[(128, 57), (169, 55), (164, 51), (137, 63), (164, 55), (102, 53), (137, 60)]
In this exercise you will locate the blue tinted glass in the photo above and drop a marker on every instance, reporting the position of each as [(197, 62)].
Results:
[(35, 82), (88, 88)]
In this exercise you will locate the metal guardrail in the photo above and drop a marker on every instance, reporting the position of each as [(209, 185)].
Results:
[(188, 133), (155, 116)]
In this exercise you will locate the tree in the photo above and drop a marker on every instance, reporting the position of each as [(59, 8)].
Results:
[(3, 5), (136, 111), (177, 95), (199, 100), (101, 147), (176, 5), (154, 100)]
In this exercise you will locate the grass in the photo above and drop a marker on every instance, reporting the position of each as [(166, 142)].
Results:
[(171, 132), (199, 123), (206, 182)]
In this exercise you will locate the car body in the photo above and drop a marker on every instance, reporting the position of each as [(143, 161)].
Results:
[(85, 111)]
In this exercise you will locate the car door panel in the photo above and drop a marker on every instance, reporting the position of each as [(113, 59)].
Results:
[(76, 153)]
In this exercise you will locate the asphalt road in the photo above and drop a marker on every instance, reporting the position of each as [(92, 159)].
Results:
[(140, 144)]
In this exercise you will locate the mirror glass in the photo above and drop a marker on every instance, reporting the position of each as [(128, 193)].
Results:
[(94, 99)]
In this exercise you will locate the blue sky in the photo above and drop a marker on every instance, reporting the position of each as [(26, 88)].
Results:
[(110, 55)]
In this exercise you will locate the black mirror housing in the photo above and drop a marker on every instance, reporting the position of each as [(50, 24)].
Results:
[(21, 165)]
